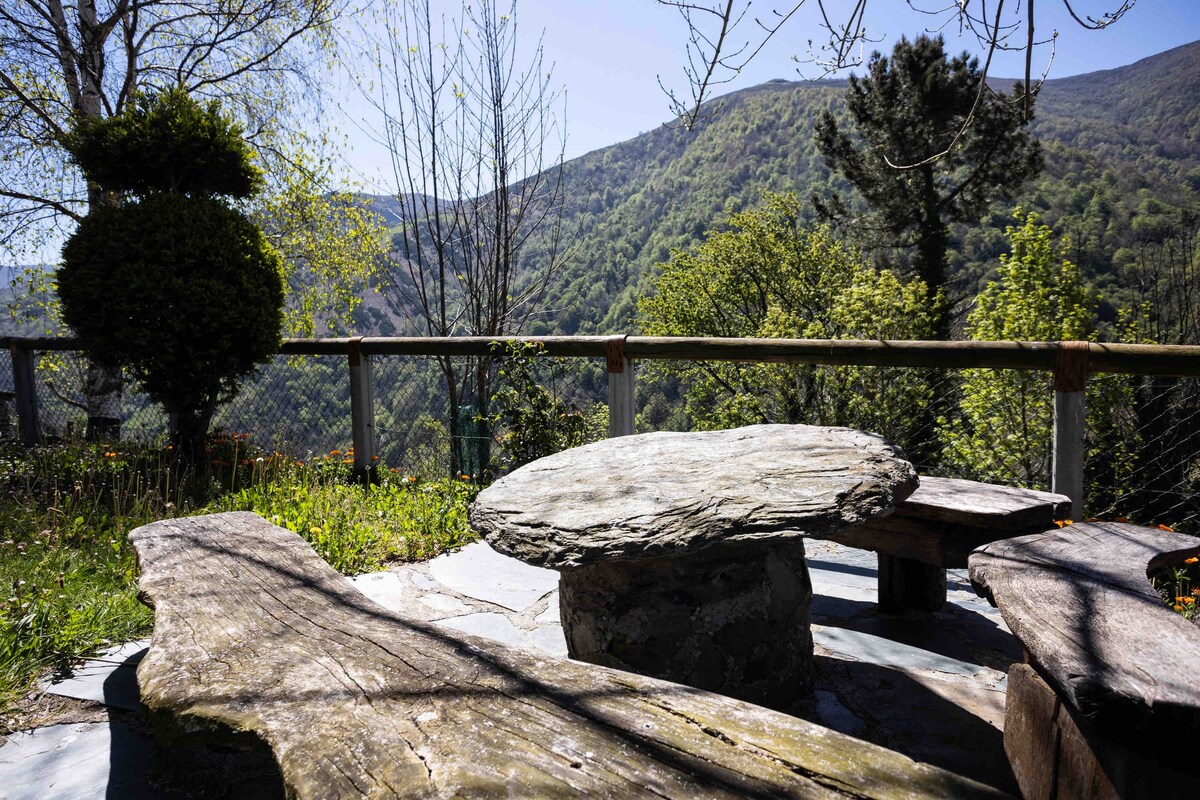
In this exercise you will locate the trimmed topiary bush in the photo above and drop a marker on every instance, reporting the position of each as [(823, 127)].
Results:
[(175, 284), (166, 142)]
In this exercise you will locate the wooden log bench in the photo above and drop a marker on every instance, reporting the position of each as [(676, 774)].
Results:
[(259, 643), (937, 527), (1108, 703)]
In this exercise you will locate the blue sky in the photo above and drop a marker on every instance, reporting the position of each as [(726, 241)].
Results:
[(608, 56)]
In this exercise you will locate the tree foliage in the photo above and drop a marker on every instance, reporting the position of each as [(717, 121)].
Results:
[(907, 109), (1003, 429), (769, 276), (179, 287), (166, 142)]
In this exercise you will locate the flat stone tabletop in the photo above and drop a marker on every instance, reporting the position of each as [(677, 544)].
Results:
[(671, 494)]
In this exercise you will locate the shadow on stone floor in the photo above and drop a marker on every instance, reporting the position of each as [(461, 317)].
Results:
[(921, 717)]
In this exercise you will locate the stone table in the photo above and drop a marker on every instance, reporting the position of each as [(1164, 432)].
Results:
[(681, 554)]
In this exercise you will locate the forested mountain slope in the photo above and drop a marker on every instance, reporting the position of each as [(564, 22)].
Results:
[(1122, 167), (1122, 160)]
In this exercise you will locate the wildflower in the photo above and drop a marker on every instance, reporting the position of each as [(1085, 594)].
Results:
[(335, 452), (314, 529), (374, 458), (1177, 607), (1166, 528), (347, 460), (1062, 523), (1192, 560), (1189, 601), (259, 460)]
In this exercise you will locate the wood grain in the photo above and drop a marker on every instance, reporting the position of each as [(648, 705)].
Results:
[(254, 634), (1080, 602)]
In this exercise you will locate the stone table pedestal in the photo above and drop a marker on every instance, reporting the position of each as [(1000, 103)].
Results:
[(681, 554), (729, 620)]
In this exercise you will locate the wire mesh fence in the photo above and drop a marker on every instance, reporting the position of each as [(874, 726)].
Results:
[(996, 425)]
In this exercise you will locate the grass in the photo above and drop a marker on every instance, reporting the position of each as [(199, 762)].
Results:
[(68, 574)]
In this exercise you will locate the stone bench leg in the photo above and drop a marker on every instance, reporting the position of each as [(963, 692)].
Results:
[(909, 585), (733, 620)]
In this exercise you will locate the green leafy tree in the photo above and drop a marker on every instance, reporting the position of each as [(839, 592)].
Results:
[(63, 61), (176, 284), (914, 158), (1004, 424), (767, 276), (533, 420)]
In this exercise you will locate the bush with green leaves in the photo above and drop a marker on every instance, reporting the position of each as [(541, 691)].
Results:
[(166, 142), (766, 275), (176, 284), (1003, 429), (533, 420)]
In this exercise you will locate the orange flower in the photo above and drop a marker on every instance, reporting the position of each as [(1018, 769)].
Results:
[(335, 452), (1178, 607), (1192, 560), (1166, 528)]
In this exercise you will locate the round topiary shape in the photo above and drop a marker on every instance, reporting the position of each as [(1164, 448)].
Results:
[(184, 291), (166, 142)]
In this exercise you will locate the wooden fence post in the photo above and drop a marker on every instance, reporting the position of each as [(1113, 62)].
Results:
[(26, 395), (620, 389), (1070, 383), (362, 412)]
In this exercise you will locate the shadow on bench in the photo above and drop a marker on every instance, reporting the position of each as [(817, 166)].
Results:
[(258, 642), (1108, 704)]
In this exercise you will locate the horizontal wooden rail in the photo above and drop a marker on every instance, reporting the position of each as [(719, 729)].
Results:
[(1137, 359)]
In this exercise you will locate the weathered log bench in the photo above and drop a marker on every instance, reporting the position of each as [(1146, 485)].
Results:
[(258, 642), (1108, 703), (937, 527)]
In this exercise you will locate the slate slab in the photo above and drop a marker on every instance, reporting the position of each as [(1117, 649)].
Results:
[(109, 678), (83, 761), (670, 494), (479, 572), (885, 652)]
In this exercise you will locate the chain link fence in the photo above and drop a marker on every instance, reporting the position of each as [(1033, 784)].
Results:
[(995, 425)]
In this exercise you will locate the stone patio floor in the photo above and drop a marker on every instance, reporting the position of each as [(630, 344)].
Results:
[(930, 686)]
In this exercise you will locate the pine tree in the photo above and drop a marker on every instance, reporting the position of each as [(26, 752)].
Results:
[(907, 110)]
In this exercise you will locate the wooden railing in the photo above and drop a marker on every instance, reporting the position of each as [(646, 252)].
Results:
[(1070, 363)]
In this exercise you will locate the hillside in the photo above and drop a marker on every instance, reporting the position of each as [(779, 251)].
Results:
[(1122, 160)]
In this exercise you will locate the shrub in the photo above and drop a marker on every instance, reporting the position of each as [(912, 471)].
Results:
[(166, 143), (177, 286), (183, 291)]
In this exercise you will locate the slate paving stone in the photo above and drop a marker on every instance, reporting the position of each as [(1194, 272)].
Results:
[(549, 639), (389, 589), (551, 614), (832, 714), (480, 572), (445, 604), (885, 652), (489, 625), (109, 678), (78, 762)]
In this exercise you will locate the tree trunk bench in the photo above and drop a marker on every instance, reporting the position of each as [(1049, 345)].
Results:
[(1108, 703), (937, 527), (259, 643)]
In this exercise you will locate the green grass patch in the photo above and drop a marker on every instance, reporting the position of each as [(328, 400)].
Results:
[(68, 574)]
